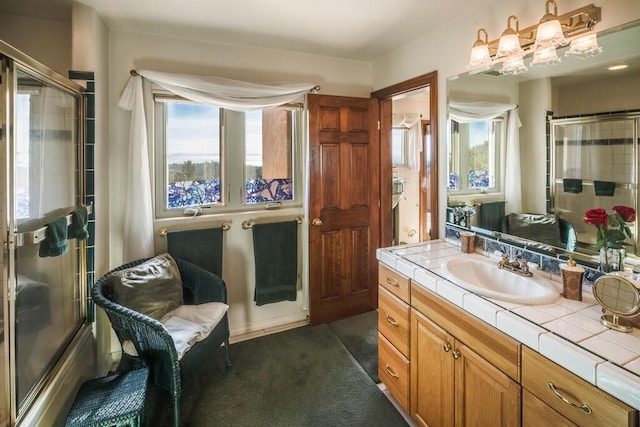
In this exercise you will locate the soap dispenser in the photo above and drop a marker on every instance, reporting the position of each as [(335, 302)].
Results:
[(572, 279)]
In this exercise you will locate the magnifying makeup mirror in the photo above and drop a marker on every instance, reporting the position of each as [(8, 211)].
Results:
[(621, 297)]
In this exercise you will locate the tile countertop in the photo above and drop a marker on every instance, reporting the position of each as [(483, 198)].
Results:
[(567, 332)]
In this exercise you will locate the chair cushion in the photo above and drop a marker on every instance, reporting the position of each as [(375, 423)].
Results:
[(539, 227), (152, 288), (206, 315)]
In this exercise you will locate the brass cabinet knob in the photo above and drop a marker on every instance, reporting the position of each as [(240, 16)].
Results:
[(316, 222), (456, 354), (446, 347)]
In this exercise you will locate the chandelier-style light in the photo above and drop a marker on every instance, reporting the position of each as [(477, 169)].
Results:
[(584, 47), (480, 56), (549, 32), (509, 44)]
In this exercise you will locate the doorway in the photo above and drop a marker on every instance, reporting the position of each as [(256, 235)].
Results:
[(409, 209)]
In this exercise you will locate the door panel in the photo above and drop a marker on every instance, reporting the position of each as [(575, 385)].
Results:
[(344, 201)]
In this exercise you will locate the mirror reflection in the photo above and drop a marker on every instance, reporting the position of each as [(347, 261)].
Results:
[(530, 154), (617, 294)]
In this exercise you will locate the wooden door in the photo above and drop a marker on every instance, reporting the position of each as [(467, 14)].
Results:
[(344, 186), (432, 373), (484, 395)]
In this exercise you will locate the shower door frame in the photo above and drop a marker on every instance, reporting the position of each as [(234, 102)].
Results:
[(11, 60)]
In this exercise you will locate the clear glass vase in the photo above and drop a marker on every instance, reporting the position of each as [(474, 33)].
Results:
[(612, 259)]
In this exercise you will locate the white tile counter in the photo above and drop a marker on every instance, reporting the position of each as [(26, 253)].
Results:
[(567, 332)]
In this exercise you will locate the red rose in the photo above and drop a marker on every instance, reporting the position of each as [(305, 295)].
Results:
[(626, 213), (597, 217)]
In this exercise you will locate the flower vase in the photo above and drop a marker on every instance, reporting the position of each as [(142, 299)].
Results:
[(612, 259)]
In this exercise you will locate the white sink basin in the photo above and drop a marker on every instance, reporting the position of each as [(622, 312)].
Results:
[(482, 276)]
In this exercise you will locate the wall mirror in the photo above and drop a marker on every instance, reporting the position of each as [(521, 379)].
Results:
[(520, 194), (620, 297)]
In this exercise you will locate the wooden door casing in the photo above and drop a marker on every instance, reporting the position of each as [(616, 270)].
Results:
[(344, 188)]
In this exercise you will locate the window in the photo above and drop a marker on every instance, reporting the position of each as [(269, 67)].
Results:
[(399, 138), (208, 156), (476, 156)]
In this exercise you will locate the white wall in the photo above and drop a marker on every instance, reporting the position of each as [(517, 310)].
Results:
[(90, 47), (616, 93), (49, 42), (446, 48), (129, 50), (535, 97)]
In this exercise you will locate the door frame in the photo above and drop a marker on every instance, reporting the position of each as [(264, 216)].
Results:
[(428, 172)]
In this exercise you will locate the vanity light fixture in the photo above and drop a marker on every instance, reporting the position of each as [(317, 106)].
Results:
[(480, 56), (541, 39)]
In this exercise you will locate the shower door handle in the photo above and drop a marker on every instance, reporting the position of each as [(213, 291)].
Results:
[(317, 222)]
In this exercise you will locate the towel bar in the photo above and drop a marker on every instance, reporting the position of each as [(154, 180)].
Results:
[(248, 224), (36, 236), (162, 231)]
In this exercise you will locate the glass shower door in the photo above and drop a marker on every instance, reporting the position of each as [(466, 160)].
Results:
[(45, 273)]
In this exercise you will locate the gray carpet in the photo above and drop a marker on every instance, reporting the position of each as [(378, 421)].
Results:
[(360, 335), (301, 377)]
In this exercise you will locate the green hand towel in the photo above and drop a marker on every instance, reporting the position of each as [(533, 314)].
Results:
[(202, 247), (78, 227), (604, 188), (275, 247), (572, 185), (55, 243)]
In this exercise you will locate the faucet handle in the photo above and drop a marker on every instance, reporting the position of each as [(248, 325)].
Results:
[(525, 266)]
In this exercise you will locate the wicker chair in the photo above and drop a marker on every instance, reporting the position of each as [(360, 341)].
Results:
[(154, 345)]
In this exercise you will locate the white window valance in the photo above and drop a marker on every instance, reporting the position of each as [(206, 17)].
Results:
[(222, 92), (228, 93)]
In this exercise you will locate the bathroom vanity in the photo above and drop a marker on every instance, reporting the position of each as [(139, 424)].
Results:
[(452, 357)]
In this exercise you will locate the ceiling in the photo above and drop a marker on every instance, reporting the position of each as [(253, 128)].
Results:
[(356, 29)]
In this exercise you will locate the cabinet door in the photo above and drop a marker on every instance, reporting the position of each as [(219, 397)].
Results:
[(484, 395), (432, 391)]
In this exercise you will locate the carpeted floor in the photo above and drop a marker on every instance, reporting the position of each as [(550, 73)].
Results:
[(360, 335), (301, 377)]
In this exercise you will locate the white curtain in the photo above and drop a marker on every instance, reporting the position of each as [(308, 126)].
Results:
[(410, 121), (221, 92), (467, 112)]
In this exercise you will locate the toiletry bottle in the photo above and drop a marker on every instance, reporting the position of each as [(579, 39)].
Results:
[(572, 275)]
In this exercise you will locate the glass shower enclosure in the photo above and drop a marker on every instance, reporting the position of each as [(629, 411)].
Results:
[(43, 285)]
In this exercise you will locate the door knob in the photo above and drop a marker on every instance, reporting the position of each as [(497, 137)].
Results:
[(316, 222)]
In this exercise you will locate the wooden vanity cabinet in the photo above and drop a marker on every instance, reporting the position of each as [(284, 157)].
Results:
[(578, 401), (393, 333), (451, 384)]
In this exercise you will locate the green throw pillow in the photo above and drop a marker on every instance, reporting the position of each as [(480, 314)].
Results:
[(152, 288)]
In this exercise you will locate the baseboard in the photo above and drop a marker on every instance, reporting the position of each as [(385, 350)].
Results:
[(248, 333)]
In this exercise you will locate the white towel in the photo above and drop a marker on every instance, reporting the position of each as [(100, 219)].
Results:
[(207, 316), (184, 333)]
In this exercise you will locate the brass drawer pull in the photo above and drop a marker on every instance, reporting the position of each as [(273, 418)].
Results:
[(446, 347), (390, 371), (585, 408), (456, 354), (393, 282), (392, 321)]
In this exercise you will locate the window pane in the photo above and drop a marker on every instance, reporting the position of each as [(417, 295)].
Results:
[(192, 155), (480, 173), (268, 156), (397, 146)]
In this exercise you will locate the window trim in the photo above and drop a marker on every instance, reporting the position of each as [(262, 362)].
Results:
[(232, 162), (500, 159)]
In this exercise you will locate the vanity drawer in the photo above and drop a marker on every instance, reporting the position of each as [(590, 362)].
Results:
[(395, 282), (394, 318), (539, 372), (394, 370)]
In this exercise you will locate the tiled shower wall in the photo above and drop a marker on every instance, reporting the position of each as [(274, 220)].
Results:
[(594, 148)]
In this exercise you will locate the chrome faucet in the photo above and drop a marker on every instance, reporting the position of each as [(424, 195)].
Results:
[(519, 267)]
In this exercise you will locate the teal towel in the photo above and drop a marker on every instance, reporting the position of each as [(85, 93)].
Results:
[(55, 243), (572, 185), (78, 227), (202, 247), (604, 188), (275, 247)]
